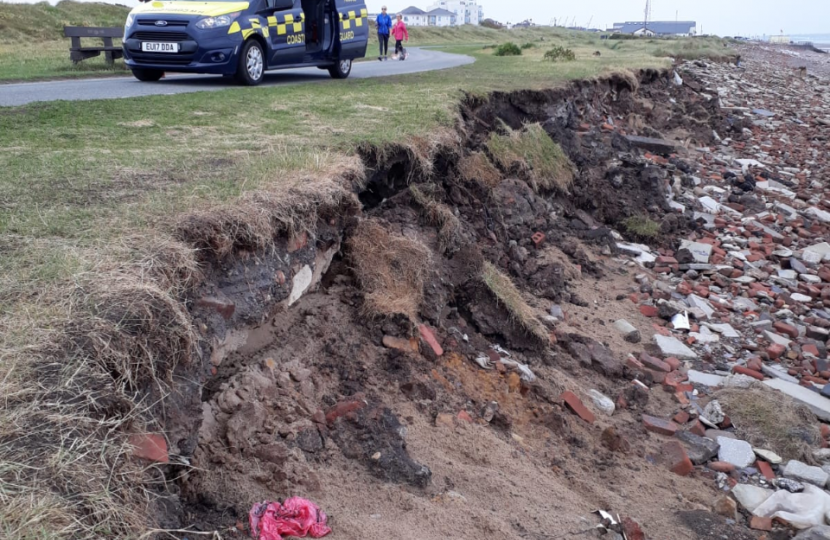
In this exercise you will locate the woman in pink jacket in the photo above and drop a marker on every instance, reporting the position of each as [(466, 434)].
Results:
[(400, 33)]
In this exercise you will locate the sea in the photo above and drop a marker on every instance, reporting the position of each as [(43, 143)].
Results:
[(820, 41)]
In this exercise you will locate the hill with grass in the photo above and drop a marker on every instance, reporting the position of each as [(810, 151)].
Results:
[(43, 22)]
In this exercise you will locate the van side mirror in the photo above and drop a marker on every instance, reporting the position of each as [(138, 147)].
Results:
[(281, 5)]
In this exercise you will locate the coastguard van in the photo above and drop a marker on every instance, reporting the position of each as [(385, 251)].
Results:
[(244, 39)]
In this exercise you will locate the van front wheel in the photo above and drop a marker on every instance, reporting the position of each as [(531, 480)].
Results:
[(341, 69), (251, 67), (147, 75)]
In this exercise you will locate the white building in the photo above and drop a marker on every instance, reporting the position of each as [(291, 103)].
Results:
[(414, 16), (466, 11)]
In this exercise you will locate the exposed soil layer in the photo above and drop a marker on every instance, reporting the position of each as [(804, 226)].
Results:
[(384, 415)]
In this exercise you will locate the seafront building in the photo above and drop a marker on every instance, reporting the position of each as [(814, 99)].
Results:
[(444, 13)]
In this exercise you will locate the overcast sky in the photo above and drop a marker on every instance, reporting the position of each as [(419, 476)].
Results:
[(722, 17)]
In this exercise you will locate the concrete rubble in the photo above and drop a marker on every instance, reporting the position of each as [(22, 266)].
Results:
[(741, 300)]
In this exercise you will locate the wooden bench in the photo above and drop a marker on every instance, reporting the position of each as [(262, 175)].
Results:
[(79, 54)]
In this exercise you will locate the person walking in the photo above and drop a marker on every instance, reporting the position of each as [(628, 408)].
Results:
[(384, 27), (400, 33)]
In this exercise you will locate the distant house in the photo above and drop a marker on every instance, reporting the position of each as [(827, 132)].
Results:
[(442, 13), (656, 28), (415, 16), (441, 17), (466, 11)]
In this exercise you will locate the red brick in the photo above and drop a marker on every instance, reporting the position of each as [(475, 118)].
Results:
[(345, 407), (633, 363), (429, 337), (673, 363), (810, 349), (149, 446), (765, 469), (658, 377), (538, 238), (464, 416), (760, 523), (684, 288), (755, 364), (786, 329), (775, 351), (632, 529), (749, 372), (223, 307), (575, 405), (654, 363), (673, 455), (648, 311), (659, 425), (297, 242), (721, 466), (698, 429), (825, 430), (681, 418), (666, 260)]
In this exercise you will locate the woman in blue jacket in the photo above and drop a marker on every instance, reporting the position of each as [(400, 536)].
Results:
[(384, 27)]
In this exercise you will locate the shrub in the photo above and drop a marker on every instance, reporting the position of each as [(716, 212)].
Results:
[(508, 49), (528, 45), (642, 226), (559, 53)]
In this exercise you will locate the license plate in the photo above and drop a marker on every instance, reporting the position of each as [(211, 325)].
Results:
[(148, 46)]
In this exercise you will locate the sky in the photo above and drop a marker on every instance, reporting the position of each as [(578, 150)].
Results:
[(721, 17)]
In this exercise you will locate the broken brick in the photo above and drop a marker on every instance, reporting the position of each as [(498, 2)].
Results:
[(760, 523), (765, 469), (649, 311), (749, 372), (659, 425), (149, 446), (429, 337), (577, 407), (673, 455), (775, 351)]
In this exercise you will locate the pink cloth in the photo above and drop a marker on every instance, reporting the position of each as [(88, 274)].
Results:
[(295, 517), (399, 31)]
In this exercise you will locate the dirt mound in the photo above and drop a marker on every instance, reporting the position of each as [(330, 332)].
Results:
[(436, 348)]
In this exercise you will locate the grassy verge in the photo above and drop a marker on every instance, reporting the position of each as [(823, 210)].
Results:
[(91, 272), (32, 45)]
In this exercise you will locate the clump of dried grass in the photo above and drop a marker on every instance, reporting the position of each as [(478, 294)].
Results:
[(533, 151), (476, 167), (391, 269), (509, 296), (772, 421), (421, 151), (257, 218), (624, 78), (450, 230), (82, 365)]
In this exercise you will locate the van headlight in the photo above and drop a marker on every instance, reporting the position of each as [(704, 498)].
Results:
[(216, 22), (130, 20)]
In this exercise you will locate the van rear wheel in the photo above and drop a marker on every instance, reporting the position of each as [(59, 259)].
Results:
[(147, 75), (341, 69)]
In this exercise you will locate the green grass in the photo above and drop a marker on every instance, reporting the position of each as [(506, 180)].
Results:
[(642, 226), (32, 45), (533, 151)]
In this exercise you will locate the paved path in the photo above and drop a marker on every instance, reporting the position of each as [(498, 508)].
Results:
[(419, 60)]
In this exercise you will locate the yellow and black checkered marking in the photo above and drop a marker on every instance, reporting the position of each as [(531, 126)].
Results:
[(287, 24), (356, 16)]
